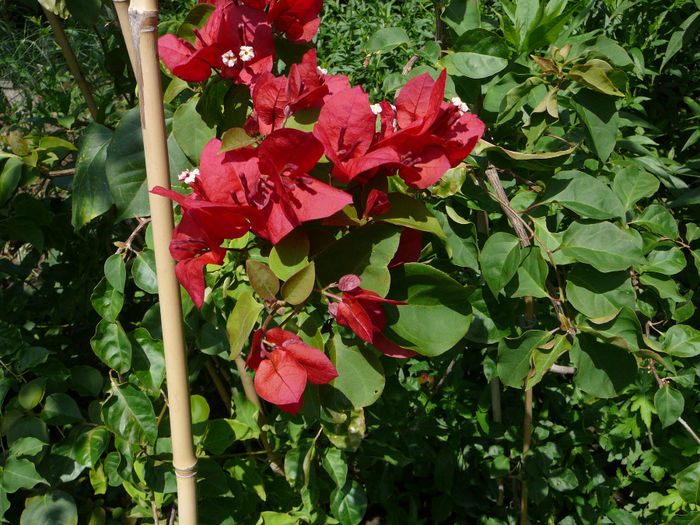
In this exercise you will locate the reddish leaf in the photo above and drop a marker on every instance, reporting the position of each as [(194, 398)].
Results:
[(319, 368), (280, 379), (391, 349)]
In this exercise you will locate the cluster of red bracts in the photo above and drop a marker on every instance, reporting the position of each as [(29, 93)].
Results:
[(268, 188), (237, 39)]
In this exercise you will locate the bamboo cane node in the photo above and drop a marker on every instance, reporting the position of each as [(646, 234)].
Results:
[(186, 473)]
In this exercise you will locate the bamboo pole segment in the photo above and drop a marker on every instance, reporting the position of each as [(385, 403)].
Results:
[(121, 7), (60, 36), (143, 18)]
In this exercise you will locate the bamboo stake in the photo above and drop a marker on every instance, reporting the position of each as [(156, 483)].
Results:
[(143, 17), (122, 9), (60, 36)]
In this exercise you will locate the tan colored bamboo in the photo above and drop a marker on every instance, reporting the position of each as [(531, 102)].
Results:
[(121, 7), (60, 36), (143, 18)]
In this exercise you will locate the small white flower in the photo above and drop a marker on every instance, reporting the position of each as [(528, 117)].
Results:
[(376, 108), (456, 101), (188, 177), (322, 70), (246, 53), (229, 59)]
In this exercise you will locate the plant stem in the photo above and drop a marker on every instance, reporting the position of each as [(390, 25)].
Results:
[(517, 224), (219, 384), (252, 395), (60, 36)]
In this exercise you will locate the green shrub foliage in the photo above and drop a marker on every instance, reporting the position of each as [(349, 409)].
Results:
[(552, 271)]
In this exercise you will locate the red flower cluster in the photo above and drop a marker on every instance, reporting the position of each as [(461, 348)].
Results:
[(283, 364), (236, 40), (360, 310)]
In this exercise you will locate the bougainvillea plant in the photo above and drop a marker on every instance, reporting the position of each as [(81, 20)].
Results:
[(319, 184)]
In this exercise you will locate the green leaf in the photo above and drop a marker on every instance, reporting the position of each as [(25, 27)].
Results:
[(411, 213), (57, 7), (514, 356), (624, 330), (515, 98), (241, 322), (55, 507), (143, 270), (360, 379), (27, 446), (689, 484), (594, 74), (658, 219), (437, 315), (125, 167), (667, 260), (85, 12), (527, 13), (387, 39), (199, 409), (107, 301), (304, 119), (9, 178), (599, 296), (129, 414), (262, 279), (632, 184), (20, 474), (460, 243), (349, 503), (602, 245), (500, 258), (290, 254), (543, 357), (543, 161), (587, 196), (86, 380), (531, 275), (190, 130), (462, 16), (235, 138), (148, 359), (91, 195), (684, 35), (111, 344), (622, 517), (115, 272), (300, 285), (562, 479), (682, 341), (664, 285), (91, 445), (604, 370), (450, 183), (334, 463), (365, 252), (30, 394), (477, 54), (196, 17), (61, 409), (669, 404), (277, 518), (599, 114)]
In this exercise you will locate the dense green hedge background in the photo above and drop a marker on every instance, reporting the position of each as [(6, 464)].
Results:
[(596, 146)]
